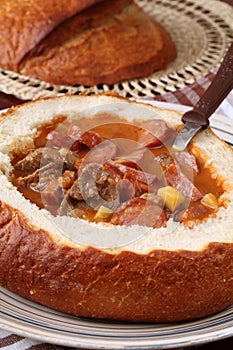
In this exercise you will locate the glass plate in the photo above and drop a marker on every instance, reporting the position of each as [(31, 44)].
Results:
[(31, 320), (201, 30)]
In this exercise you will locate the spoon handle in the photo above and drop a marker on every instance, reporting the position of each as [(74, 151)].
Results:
[(220, 87)]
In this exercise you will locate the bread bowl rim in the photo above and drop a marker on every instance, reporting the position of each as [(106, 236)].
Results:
[(193, 242)]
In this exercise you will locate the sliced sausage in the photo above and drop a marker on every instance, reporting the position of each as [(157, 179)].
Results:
[(73, 137), (90, 139), (141, 181), (57, 140), (134, 159), (187, 159), (126, 190), (153, 133), (139, 211), (194, 212), (102, 153), (179, 181), (113, 171)]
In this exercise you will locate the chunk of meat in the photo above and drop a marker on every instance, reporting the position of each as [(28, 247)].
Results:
[(38, 158), (48, 175), (67, 179), (65, 206), (87, 179), (178, 180), (40, 178), (96, 186), (139, 211), (70, 158), (30, 162), (52, 195), (28, 180), (74, 192)]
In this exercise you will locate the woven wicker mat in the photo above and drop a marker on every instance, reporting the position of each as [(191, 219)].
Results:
[(201, 30)]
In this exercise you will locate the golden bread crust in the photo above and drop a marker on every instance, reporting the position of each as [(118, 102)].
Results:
[(24, 23), (162, 286)]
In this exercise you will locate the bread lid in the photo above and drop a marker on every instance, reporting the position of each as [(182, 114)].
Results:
[(201, 25), (24, 23)]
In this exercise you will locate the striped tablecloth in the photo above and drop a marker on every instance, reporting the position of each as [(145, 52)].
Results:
[(190, 94), (186, 96)]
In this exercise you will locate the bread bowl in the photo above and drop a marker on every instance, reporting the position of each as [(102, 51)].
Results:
[(180, 270), (85, 42)]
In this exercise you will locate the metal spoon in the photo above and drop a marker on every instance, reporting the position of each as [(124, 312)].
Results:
[(198, 117)]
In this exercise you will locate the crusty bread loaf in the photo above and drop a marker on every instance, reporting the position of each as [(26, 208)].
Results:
[(106, 43), (113, 272), (24, 23)]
